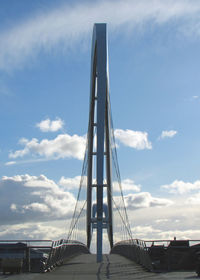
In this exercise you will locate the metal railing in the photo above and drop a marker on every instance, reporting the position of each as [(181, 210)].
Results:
[(159, 255), (39, 255), (135, 250), (32, 253), (63, 249)]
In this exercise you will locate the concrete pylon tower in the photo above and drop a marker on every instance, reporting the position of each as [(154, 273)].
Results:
[(99, 214)]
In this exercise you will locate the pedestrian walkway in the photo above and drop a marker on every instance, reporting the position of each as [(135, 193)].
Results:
[(84, 267)]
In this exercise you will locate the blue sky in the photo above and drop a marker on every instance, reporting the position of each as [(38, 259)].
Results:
[(155, 95)]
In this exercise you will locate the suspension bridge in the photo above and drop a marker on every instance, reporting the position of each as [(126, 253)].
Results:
[(100, 217)]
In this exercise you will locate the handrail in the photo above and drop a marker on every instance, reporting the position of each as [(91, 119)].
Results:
[(26, 240), (50, 255), (62, 249), (141, 242), (141, 252)]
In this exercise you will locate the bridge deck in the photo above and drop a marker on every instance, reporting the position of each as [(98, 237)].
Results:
[(113, 267)]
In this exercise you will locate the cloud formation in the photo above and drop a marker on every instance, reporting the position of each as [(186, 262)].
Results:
[(181, 187), (142, 200), (134, 139), (127, 185), (68, 25), (63, 146), (10, 163), (168, 134), (50, 126), (194, 199), (145, 200), (70, 183), (25, 198), (166, 222), (152, 233), (33, 230)]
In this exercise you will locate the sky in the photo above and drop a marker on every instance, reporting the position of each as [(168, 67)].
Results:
[(45, 51)]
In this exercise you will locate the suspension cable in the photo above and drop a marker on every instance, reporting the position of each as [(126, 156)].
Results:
[(116, 165)]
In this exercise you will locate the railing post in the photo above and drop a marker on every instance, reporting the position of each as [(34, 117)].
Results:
[(28, 264)]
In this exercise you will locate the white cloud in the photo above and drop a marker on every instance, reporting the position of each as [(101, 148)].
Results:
[(74, 183), (127, 185), (142, 200), (35, 206), (168, 134), (152, 233), (34, 230), (70, 183), (25, 198), (195, 199), (36, 198), (13, 207), (10, 163), (181, 187), (63, 146), (180, 234), (145, 200), (68, 25), (31, 181), (50, 126), (166, 222), (143, 232), (161, 221), (134, 139)]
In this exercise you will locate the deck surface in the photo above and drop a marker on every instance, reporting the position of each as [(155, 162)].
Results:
[(113, 267)]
